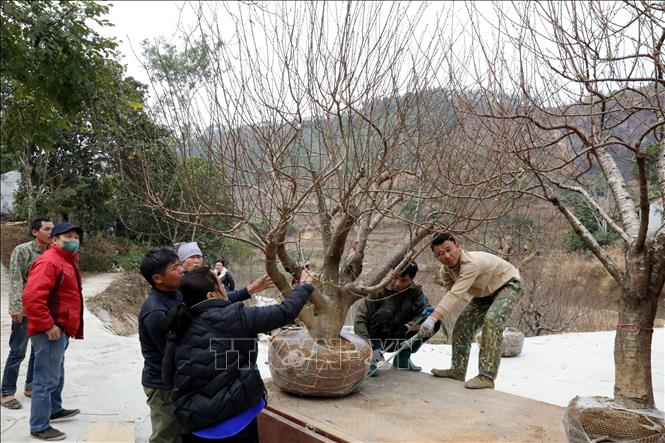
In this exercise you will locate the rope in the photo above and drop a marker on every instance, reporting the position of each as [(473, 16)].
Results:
[(633, 326)]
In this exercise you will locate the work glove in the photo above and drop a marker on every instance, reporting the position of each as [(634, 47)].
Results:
[(427, 328), (376, 356), (427, 311)]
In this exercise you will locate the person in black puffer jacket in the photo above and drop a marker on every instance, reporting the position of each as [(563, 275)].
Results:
[(210, 356)]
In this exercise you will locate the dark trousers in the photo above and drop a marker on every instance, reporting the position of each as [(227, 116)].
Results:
[(248, 435), (18, 345), (388, 336)]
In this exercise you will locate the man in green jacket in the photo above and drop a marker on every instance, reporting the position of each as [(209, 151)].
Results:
[(392, 316), (20, 261)]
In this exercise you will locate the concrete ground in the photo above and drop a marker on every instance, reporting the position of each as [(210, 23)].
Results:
[(102, 377), (404, 406)]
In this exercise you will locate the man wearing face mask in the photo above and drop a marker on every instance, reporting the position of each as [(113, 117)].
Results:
[(53, 303)]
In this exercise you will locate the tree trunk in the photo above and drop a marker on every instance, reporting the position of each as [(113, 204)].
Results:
[(328, 324), (632, 346), (26, 162)]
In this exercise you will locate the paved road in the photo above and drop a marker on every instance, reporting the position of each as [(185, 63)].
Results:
[(102, 375)]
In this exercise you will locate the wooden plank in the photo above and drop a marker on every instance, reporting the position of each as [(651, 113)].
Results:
[(274, 427), (407, 406)]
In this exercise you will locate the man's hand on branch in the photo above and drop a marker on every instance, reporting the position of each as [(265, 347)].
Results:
[(260, 284), (306, 276)]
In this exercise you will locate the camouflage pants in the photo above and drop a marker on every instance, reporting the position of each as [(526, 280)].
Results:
[(491, 313)]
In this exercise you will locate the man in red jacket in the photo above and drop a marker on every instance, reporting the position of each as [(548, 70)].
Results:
[(53, 303)]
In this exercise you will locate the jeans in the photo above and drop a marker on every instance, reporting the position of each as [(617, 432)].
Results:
[(48, 380), (18, 345)]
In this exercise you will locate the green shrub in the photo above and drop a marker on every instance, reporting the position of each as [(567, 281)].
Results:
[(96, 262), (573, 242), (131, 260), (103, 253)]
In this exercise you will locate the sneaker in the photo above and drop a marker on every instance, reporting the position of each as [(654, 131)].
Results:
[(373, 371), (49, 434), (64, 414), (448, 373), (480, 382)]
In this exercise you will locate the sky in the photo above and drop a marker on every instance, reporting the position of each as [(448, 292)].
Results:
[(135, 21)]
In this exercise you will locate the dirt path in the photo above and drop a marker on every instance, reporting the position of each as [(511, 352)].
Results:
[(103, 375)]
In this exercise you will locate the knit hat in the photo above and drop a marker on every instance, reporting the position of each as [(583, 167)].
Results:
[(186, 250)]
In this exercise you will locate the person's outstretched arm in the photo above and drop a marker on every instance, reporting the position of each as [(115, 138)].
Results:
[(267, 318), (260, 284)]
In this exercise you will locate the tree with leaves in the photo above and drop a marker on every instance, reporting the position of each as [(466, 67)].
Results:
[(58, 77)]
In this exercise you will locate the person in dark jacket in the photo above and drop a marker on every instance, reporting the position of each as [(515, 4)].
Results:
[(161, 268), (53, 303), (391, 316), (211, 354), (224, 275)]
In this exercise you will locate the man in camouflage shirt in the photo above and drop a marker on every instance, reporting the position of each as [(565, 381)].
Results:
[(19, 263), (491, 287)]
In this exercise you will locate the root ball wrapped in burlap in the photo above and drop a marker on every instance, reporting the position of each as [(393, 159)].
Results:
[(332, 367)]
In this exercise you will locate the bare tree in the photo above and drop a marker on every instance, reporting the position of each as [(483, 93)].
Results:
[(320, 115), (576, 90)]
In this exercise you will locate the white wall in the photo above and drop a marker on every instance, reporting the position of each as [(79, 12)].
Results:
[(8, 185)]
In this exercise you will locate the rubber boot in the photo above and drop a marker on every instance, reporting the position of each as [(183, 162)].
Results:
[(448, 373), (480, 382), (403, 361)]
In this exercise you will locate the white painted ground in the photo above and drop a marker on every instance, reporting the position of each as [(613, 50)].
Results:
[(102, 376), (103, 372)]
